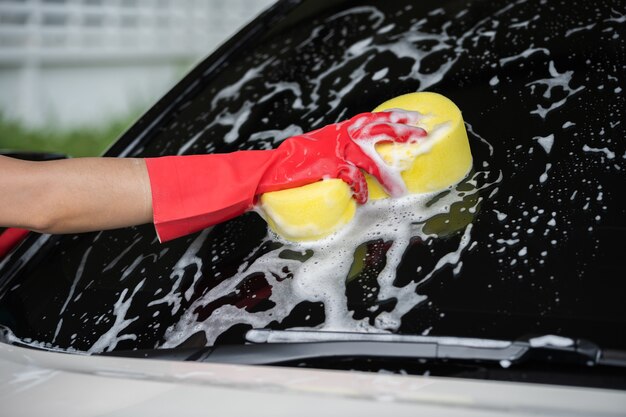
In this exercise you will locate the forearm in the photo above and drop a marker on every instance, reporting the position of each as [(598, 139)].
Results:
[(75, 195)]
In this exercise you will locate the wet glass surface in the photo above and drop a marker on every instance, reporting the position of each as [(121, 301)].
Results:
[(529, 243)]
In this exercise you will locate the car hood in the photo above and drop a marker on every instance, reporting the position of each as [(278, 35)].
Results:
[(89, 386)]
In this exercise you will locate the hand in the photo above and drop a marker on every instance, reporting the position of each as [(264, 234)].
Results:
[(342, 150)]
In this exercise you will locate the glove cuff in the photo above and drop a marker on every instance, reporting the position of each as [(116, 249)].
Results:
[(190, 193)]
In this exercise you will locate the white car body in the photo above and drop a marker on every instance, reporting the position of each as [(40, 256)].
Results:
[(35, 383)]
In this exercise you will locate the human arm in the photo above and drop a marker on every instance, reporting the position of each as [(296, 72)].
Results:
[(185, 194), (74, 195)]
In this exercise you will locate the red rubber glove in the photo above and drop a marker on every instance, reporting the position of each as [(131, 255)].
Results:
[(190, 193), (9, 239)]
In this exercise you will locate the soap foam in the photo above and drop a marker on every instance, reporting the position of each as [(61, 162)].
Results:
[(391, 171)]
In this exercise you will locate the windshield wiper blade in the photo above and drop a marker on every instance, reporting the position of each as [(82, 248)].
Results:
[(268, 347), (275, 353), (275, 346), (303, 344)]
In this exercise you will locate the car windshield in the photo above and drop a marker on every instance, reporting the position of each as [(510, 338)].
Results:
[(529, 243)]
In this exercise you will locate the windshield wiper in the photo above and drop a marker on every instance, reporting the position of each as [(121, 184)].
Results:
[(268, 347), (275, 346)]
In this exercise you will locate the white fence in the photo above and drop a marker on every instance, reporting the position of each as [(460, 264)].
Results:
[(71, 62)]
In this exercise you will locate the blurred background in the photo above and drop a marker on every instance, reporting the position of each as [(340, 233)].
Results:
[(74, 74)]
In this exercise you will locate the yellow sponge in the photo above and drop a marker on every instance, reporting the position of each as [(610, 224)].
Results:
[(316, 210), (448, 159), (309, 212)]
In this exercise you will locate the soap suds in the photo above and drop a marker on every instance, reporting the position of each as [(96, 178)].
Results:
[(378, 75), (557, 79), (322, 277), (609, 154), (545, 142)]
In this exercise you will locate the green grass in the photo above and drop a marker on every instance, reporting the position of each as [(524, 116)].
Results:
[(76, 142)]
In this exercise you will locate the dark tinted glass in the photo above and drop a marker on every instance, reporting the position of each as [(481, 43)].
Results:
[(531, 241)]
